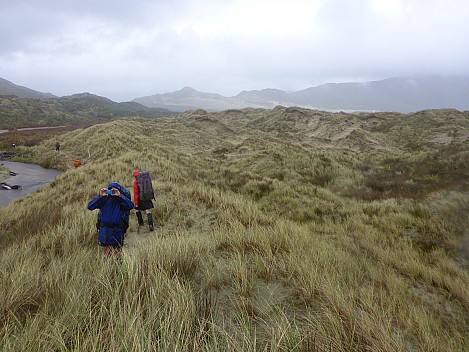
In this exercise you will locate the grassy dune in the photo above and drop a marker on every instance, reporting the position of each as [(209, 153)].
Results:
[(277, 230)]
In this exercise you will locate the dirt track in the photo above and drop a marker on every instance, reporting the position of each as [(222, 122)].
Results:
[(29, 176)]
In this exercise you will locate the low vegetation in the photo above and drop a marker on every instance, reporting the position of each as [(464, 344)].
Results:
[(277, 230), (29, 138)]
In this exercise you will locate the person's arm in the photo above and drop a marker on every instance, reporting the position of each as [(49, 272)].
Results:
[(136, 193), (98, 201), (125, 203)]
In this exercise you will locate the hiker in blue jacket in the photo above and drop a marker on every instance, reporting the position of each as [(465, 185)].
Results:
[(113, 218)]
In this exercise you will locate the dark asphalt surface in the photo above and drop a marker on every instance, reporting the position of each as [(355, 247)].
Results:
[(31, 178)]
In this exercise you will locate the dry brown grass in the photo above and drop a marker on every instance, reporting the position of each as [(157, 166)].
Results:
[(31, 138)]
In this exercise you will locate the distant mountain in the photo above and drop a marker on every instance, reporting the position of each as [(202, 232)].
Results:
[(263, 98), (9, 88), (394, 94), (188, 99)]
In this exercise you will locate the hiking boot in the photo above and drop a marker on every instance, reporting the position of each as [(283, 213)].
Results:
[(150, 221)]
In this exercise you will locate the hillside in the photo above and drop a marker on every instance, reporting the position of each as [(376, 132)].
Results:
[(8, 88), (277, 230), (76, 109)]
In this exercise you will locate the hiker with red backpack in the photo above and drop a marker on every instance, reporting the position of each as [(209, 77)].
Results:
[(113, 219), (143, 195)]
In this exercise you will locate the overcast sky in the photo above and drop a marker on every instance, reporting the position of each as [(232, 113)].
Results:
[(128, 49)]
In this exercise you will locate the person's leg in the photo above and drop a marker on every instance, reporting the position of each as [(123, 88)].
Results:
[(139, 218), (150, 219), (117, 251), (107, 252)]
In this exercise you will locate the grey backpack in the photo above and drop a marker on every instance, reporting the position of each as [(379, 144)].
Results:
[(145, 188)]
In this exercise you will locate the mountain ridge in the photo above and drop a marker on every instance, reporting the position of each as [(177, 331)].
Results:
[(398, 94)]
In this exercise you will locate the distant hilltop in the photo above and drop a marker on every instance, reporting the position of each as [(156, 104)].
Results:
[(400, 94)]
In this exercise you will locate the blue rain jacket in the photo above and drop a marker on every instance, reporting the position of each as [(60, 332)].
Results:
[(113, 213)]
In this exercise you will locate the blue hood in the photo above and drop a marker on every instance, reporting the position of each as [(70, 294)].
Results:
[(115, 185)]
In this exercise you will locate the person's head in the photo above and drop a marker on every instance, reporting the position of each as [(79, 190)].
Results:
[(114, 185), (136, 172)]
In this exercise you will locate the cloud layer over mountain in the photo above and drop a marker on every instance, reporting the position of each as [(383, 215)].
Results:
[(122, 49)]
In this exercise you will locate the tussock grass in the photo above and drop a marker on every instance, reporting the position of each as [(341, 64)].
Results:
[(256, 247)]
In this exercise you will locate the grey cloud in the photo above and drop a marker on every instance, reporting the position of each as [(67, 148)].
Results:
[(124, 49)]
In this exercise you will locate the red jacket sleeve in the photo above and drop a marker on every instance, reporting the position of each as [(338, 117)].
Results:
[(136, 193)]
